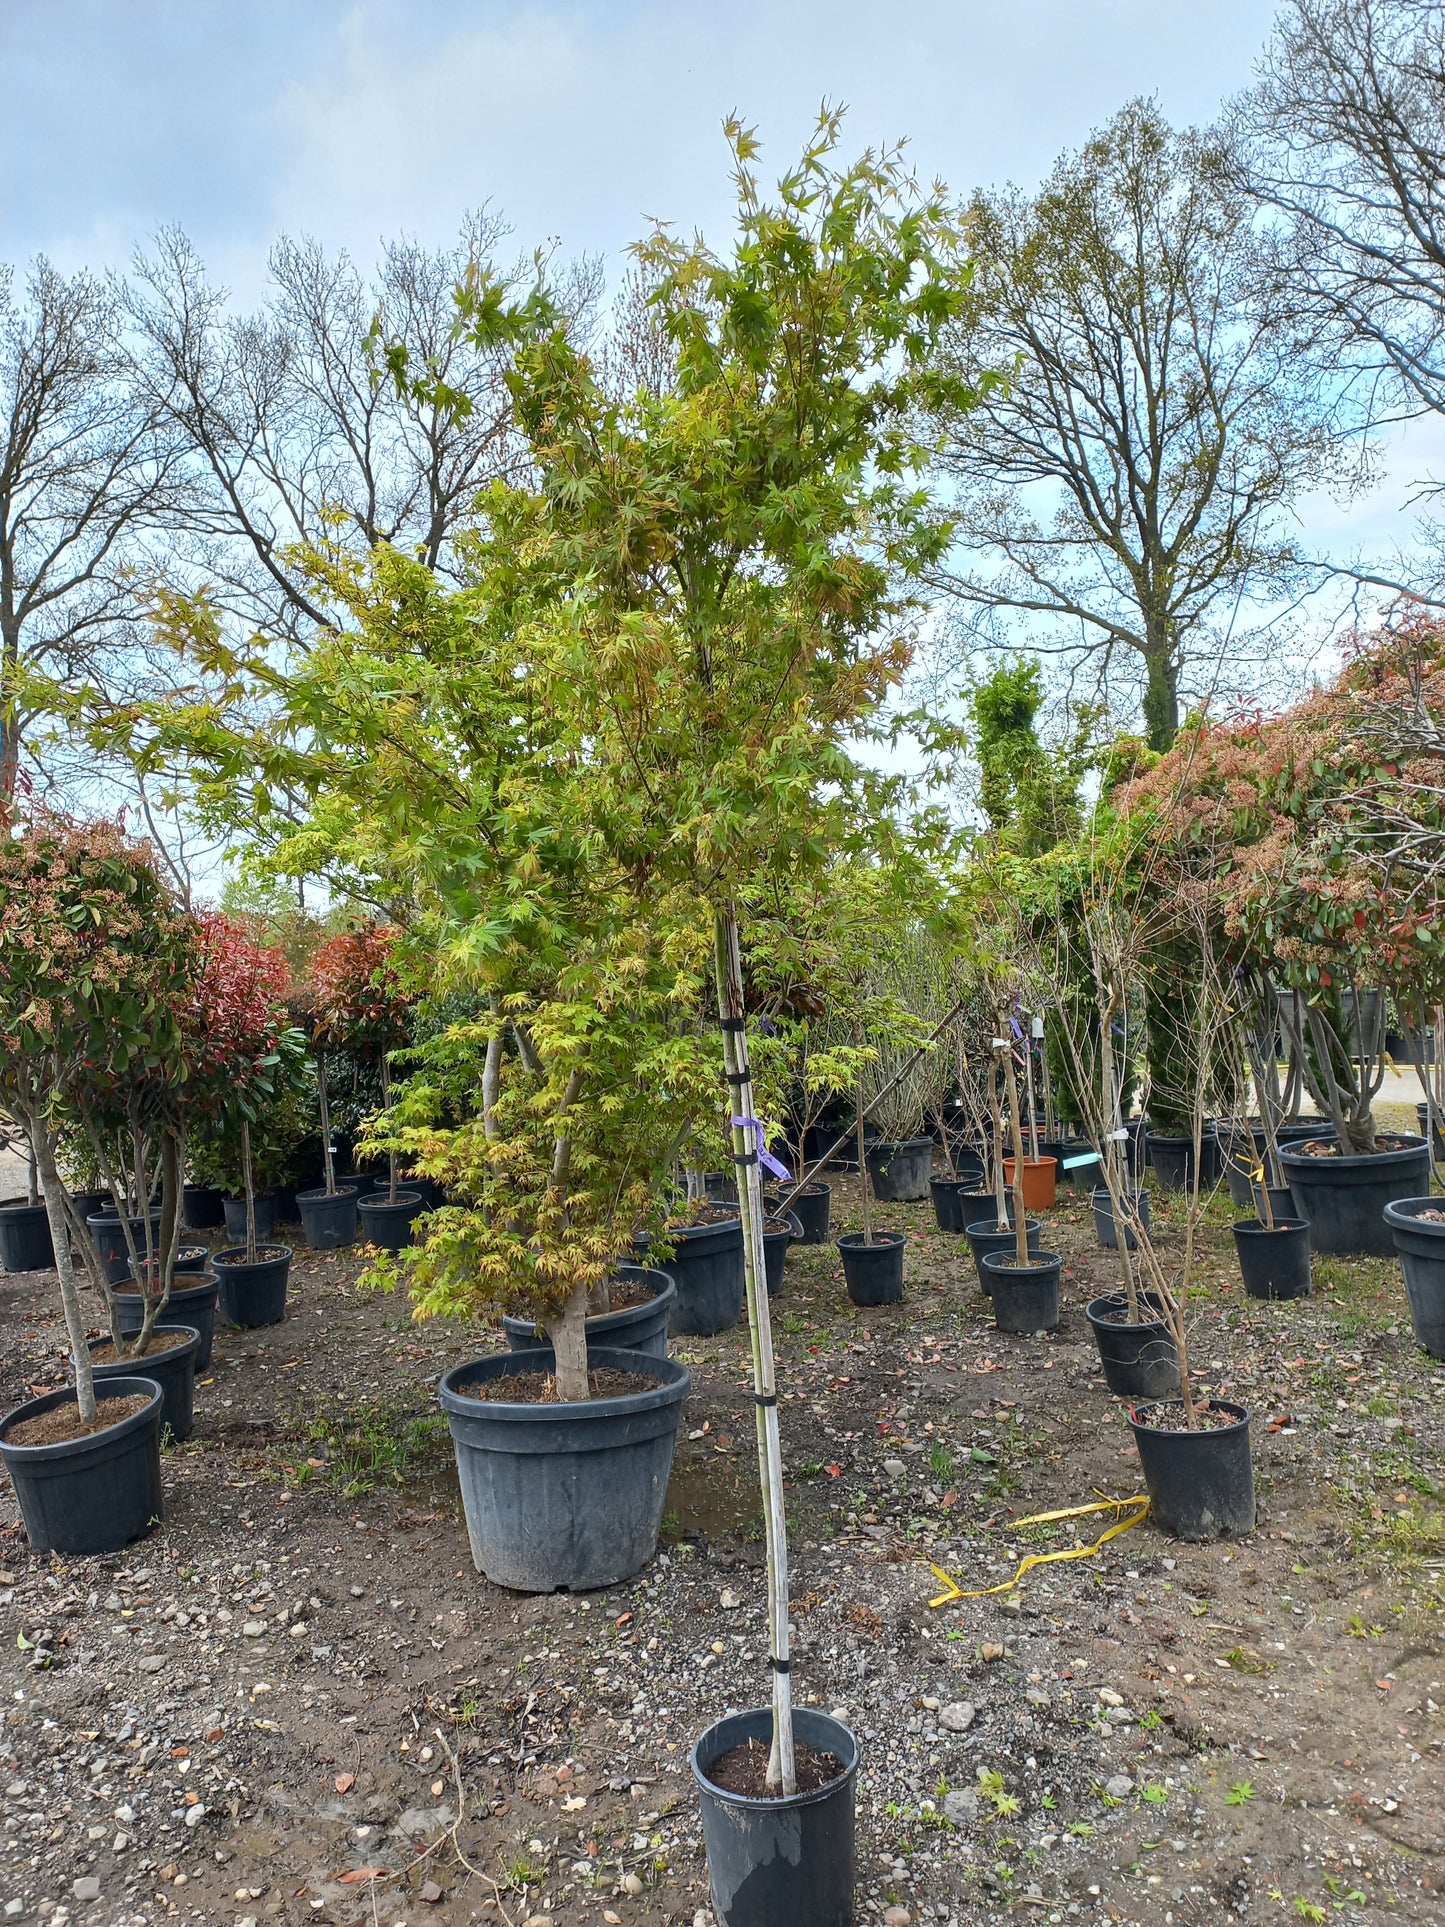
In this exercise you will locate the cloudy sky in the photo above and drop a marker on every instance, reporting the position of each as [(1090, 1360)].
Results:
[(354, 119)]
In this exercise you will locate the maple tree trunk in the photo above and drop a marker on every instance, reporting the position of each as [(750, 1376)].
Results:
[(323, 1106), (567, 1330), (54, 1194)]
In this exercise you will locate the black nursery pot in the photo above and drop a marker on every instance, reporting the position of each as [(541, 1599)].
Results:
[(253, 1292), (1139, 1361), (1025, 1297), (778, 1234), (948, 1197), (1200, 1484), (1274, 1263), (810, 1207), (25, 1238), (387, 1225), (1421, 1246), (328, 1220), (1344, 1198), (267, 1214), (873, 1273), (636, 1328), (170, 1363), (984, 1237), (193, 1305), (93, 1494), (109, 1238), (779, 1863), (564, 1495), (1105, 1229), (899, 1172), (1066, 1149), (202, 1208), (1173, 1159), (707, 1267)]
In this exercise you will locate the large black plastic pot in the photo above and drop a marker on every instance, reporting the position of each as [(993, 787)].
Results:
[(873, 1273), (1421, 1246), (707, 1267), (564, 1495), (899, 1172), (387, 1225), (1105, 1229), (93, 1494), (779, 1863), (1422, 1113), (977, 1207), (1274, 1263), (1281, 1201), (195, 1305), (1173, 1159), (948, 1197), (810, 1207), (985, 1236), (1139, 1361), (202, 1208), (108, 1237), (253, 1292), (25, 1238), (778, 1234), (1200, 1484), (1242, 1147), (170, 1363), (1065, 1149), (328, 1219), (637, 1328), (1025, 1297), (1344, 1198), (267, 1215)]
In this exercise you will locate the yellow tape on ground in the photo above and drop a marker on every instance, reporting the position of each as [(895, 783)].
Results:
[(1139, 1503)]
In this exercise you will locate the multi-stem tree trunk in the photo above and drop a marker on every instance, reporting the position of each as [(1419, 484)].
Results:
[(1021, 1224), (323, 1106), (745, 1142), (249, 1182), (54, 1194), (567, 1328), (1119, 1184), (386, 1105)]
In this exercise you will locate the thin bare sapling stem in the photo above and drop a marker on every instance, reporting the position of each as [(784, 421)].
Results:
[(323, 1106), (249, 1183), (1021, 1227)]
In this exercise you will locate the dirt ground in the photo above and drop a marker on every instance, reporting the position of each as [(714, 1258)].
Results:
[(297, 1701)]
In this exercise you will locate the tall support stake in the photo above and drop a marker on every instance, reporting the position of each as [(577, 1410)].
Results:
[(746, 1143)]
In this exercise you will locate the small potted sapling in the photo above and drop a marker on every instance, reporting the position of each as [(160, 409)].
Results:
[(247, 1107), (328, 1215), (96, 958), (1023, 1282), (1273, 1247)]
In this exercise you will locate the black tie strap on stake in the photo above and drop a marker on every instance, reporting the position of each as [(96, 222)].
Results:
[(739, 1077), (779, 1665), (745, 1157), (765, 1398), (733, 1024)]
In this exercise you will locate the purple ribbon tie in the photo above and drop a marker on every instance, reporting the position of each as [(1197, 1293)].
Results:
[(765, 1156)]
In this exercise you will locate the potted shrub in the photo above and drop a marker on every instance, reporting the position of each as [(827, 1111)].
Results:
[(1274, 1247), (95, 960), (1023, 1283)]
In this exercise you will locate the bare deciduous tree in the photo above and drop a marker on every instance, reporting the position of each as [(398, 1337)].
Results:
[(1121, 492)]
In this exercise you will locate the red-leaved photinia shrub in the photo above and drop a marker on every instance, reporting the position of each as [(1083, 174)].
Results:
[(357, 998)]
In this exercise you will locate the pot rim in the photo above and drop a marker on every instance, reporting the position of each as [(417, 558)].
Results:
[(881, 1239), (1398, 1211), (751, 1803), (1008, 1267), (65, 1448), (879, 1145), (329, 1197), (1112, 1324), (203, 1283), (601, 1321), (1214, 1432), (1298, 1154), (403, 1201), (1257, 1228), (998, 1231), (233, 1258), (152, 1357), (673, 1383)]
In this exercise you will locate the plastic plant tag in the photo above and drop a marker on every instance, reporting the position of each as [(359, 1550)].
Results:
[(1086, 1157), (1038, 1027)]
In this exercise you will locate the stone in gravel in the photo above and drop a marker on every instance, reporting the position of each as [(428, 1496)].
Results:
[(990, 1650), (1119, 1787), (253, 1629), (897, 1917), (152, 1663), (194, 1816), (87, 1887), (1036, 1696), (729, 1600), (958, 1717), (961, 1807), (895, 1468), (631, 1884), (1109, 1697)]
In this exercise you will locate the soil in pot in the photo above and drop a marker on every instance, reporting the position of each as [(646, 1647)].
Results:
[(94, 1488), (1040, 1175), (1025, 1297), (25, 1238), (1274, 1263), (707, 1267), (194, 1306), (168, 1361), (1139, 1361), (1343, 1199), (1417, 1227), (810, 1207), (267, 1215), (387, 1224), (253, 1290), (1105, 1229), (899, 1172), (873, 1273), (744, 1769), (779, 1862), (328, 1219), (1200, 1482), (641, 1300), (564, 1494), (988, 1235)]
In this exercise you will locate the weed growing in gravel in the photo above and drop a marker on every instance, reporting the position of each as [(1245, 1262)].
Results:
[(382, 1446), (1240, 1794)]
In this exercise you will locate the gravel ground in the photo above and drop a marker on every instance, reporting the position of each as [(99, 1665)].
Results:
[(299, 1680)]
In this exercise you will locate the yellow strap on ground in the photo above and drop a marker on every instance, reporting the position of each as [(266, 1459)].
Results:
[(1140, 1508)]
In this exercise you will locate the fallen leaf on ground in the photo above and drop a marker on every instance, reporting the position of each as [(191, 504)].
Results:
[(355, 1875)]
